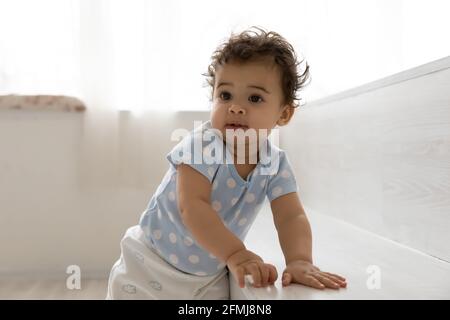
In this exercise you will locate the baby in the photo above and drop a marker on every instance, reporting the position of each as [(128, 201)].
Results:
[(191, 234)]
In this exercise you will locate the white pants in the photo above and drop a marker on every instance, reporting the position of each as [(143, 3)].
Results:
[(141, 273)]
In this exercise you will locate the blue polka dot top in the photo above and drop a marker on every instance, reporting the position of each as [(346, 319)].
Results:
[(236, 200)]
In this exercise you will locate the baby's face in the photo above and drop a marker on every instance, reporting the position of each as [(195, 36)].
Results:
[(248, 93)]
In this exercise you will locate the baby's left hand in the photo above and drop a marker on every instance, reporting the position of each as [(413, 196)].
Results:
[(305, 273)]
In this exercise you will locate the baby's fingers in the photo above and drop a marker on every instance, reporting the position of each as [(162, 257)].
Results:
[(307, 280), (326, 281), (342, 283), (265, 274), (335, 275), (286, 279), (254, 270), (268, 274), (273, 274), (313, 282), (240, 274)]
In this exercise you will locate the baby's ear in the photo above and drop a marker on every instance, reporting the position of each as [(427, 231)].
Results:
[(286, 115)]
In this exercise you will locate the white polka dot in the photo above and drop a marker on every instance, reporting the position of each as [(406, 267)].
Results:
[(277, 191), (212, 256), (242, 222), (211, 171), (231, 183), (157, 234), (216, 205), (173, 258), (171, 196), (188, 241), (263, 183), (172, 237), (215, 185), (234, 200), (285, 174), (236, 215), (193, 258), (221, 266), (200, 273), (250, 198)]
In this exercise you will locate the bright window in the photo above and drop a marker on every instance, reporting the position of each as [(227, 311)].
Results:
[(149, 55)]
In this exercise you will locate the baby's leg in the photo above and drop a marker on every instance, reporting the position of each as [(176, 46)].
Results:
[(129, 276)]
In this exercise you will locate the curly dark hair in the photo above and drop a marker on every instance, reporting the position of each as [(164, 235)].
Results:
[(255, 43)]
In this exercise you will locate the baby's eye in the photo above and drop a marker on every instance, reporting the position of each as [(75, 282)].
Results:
[(255, 98), (224, 95)]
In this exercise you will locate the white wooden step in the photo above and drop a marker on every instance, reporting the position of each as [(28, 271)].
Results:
[(341, 248)]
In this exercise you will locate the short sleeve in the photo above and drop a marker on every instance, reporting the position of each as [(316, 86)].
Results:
[(283, 182), (197, 150)]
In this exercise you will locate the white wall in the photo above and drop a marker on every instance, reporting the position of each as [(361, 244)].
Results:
[(378, 157), (48, 220)]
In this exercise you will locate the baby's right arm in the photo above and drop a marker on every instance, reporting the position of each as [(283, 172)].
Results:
[(197, 214)]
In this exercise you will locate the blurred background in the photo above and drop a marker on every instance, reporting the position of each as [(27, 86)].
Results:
[(124, 50)]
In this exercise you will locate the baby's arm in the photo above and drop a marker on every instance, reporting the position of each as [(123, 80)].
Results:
[(294, 233), (197, 214)]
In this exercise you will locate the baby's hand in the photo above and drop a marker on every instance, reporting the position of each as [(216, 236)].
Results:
[(246, 262), (305, 273)]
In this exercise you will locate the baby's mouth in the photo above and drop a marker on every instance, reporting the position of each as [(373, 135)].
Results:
[(235, 126)]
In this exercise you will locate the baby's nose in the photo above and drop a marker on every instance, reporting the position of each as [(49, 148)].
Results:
[(234, 108)]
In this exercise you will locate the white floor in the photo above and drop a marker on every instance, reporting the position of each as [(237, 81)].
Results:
[(18, 289)]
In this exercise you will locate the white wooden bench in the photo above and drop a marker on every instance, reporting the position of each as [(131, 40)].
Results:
[(345, 249)]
